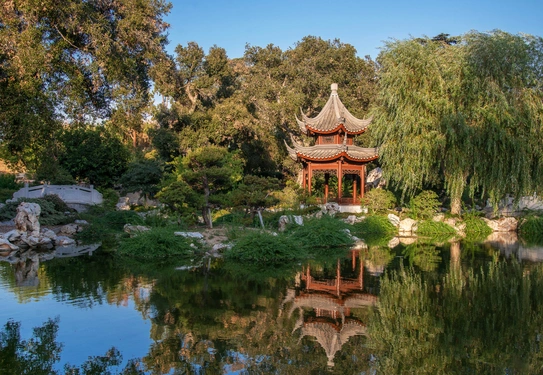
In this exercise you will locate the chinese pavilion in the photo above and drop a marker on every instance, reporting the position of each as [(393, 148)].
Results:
[(334, 153)]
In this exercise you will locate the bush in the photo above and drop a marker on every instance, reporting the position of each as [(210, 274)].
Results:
[(53, 210), (425, 205), (531, 229), (379, 201), (318, 233), (156, 243), (259, 246), (476, 229), (430, 228), (375, 230)]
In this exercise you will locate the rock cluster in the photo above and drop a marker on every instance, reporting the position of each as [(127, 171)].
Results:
[(28, 234)]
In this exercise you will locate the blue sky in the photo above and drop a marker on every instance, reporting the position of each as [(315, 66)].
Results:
[(363, 24)]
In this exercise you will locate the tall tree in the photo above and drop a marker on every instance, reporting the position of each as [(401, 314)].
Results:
[(466, 113), (74, 61)]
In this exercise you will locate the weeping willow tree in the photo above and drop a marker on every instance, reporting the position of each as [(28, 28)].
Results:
[(466, 112)]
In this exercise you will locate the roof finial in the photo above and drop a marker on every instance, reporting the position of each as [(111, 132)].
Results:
[(333, 86)]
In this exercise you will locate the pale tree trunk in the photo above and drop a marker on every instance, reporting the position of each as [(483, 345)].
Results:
[(456, 205)]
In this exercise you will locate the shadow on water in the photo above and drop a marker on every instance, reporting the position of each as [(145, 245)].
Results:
[(416, 306)]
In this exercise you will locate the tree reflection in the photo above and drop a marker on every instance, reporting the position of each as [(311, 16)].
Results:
[(481, 321), (39, 354)]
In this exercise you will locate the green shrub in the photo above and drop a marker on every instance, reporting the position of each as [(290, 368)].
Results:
[(260, 246), (318, 233), (156, 243), (531, 229), (105, 226), (379, 201), (430, 228), (52, 212), (476, 229), (375, 230), (7, 181), (425, 205)]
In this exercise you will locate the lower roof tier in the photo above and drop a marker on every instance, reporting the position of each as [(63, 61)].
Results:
[(331, 152)]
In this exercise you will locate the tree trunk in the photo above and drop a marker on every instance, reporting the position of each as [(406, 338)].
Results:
[(456, 205)]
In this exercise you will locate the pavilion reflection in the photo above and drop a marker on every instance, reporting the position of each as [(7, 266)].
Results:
[(326, 303)]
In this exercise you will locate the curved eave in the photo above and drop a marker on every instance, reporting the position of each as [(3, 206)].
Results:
[(337, 156), (340, 126)]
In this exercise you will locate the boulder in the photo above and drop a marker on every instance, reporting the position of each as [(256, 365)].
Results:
[(352, 219), (81, 222), (6, 245), (504, 224), (123, 204), (408, 226), (196, 235), (375, 177), (393, 243), (331, 208), (439, 218), (70, 229), (64, 241), (12, 235), (48, 233), (394, 220), (27, 218), (284, 220)]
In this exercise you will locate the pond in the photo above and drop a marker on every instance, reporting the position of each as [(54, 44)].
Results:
[(437, 314)]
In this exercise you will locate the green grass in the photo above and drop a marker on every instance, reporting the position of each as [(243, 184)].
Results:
[(264, 247), (531, 230), (325, 232)]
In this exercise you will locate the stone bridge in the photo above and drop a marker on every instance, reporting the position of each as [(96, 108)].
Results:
[(75, 196)]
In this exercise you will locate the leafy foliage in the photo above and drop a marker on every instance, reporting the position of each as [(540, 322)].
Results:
[(531, 229), (74, 61), (375, 230), (425, 205), (53, 210), (325, 232), (379, 200), (466, 113), (158, 242), (142, 175), (263, 247), (93, 155)]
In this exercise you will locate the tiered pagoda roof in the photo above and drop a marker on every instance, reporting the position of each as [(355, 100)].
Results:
[(333, 117)]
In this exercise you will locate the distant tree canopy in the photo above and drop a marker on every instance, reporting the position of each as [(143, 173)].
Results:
[(468, 114)]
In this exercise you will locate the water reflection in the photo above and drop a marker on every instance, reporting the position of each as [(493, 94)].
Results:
[(325, 305), (441, 315)]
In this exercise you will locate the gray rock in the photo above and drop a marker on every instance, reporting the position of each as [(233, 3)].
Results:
[(81, 222), (438, 218), (135, 229), (196, 235), (13, 235), (48, 233), (6, 245), (27, 218), (69, 229), (408, 226), (123, 204), (393, 243), (504, 224), (64, 241), (394, 220)]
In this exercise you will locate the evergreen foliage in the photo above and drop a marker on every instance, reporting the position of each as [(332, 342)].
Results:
[(375, 230), (326, 232), (53, 210), (424, 205), (158, 242), (264, 247), (379, 201)]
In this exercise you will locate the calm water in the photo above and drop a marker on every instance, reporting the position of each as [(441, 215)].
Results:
[(305, 318)]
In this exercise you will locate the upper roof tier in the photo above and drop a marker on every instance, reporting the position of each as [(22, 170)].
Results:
[(332, 117)]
